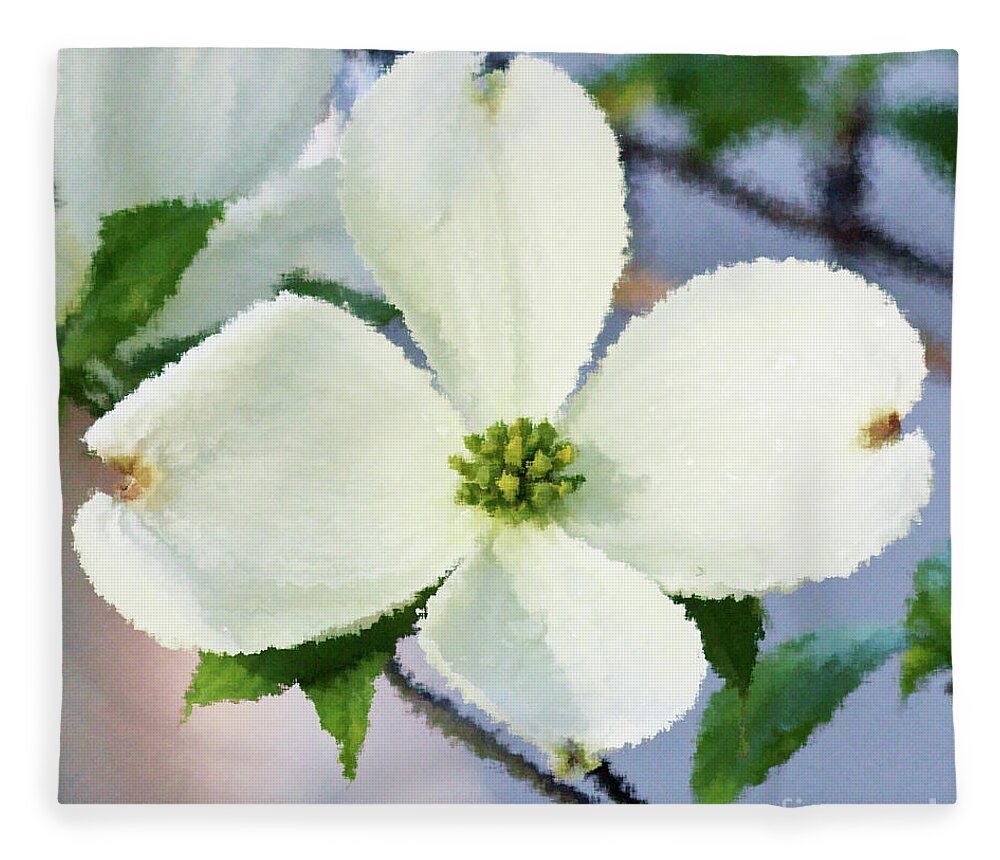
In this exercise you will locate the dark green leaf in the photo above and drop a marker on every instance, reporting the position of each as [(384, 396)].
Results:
[(336, 674), (933, 130), (731, 632), (724, 97), (150, 360), (276, 669), (371, 309), (141, 256), (928, 624), (795, 688), (342, 701)]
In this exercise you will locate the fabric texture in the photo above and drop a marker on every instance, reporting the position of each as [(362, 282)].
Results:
[(555, 427)]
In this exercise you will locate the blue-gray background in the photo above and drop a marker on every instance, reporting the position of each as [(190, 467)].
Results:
[(123, 739)]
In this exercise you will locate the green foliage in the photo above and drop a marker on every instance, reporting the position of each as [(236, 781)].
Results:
[(343, 700), (150, 360), (928, 624), (861, 73), (933, 130), (337, 675), (795, 688), (136, 268), (724, 97), (371, 309), (843, 98), (731, 632)]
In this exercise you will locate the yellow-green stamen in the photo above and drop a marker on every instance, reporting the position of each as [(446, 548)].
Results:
[(515, 472)]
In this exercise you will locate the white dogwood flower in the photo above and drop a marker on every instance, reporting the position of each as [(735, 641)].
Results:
[(294, 476), (291, 222), (139, 126)]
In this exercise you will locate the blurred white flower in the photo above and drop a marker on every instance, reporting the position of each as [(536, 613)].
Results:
[(293, 476), (138, 126), (291, 222)]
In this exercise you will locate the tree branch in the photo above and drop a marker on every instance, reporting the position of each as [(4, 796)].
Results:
[(860, 238), (441, 713)]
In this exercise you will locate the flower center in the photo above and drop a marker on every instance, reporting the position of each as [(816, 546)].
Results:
[(516, 471)]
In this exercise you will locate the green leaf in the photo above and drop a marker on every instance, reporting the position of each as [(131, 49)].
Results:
[(150, 360), (125, 376), (928, 624), (336, 674), (843, 99), (724, 97), (795, 688), (137, 265), (343, 700), (731, 632), (228, 678), (933, 130), (369, 308)]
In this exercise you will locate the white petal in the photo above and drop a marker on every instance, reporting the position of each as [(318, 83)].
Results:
[(495, 222), (547, 635), (142, 578), (291, 222), (297, 484), (136, 126), (721, 437), (324, 143)]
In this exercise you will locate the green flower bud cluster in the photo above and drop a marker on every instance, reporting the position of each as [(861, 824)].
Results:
[(516, 471)]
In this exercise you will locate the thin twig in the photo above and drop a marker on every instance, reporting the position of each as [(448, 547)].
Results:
[(617, 788), (442, 714), (862, 239)]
